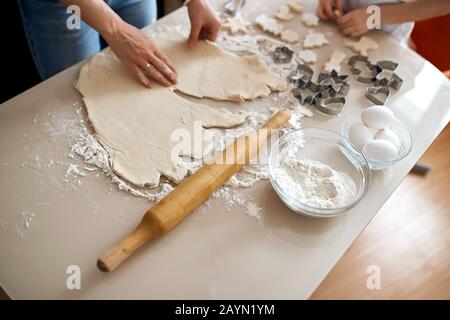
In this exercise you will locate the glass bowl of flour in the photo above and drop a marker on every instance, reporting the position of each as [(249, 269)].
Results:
[(316, 174)]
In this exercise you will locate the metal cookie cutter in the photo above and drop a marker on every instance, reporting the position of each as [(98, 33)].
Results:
[(316, 91), (394, 81), (304, 98), (233, 7), (374, 69), (339, 78), (387, 65), (282, 55), (303, 73), (373, 94), (330, 106), (337, 84)]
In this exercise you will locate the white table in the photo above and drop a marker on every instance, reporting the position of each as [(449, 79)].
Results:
[(213, 253)]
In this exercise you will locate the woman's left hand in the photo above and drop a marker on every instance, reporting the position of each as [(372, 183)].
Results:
[(205, 24), (354, 23)]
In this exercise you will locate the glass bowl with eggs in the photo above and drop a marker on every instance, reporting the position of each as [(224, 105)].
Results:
[(316, 174), (379, 135)]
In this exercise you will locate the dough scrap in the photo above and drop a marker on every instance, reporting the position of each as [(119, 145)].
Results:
[(135, 124), (208, 71), (363, 45), (284, 13), (289, 36), (236, 25), (269, 25), (310, 19), (307, 56), (296, 6), (335, 62), (314, 40)]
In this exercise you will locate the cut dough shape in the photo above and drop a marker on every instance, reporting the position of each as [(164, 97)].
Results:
[(310, 19), (284, 13), (314, 40), (335, 62), (289, 36), (307, 56), (135, 124), (207, 71), (236, 25), (362, 46), (269, 25), (296, 6)]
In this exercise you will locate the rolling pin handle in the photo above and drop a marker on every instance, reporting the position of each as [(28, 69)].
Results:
[(146, 230)]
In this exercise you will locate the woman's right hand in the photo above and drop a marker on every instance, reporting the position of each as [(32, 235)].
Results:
[(327, 9), (141, 55)]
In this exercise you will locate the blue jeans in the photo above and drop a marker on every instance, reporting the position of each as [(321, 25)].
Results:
[(54, 47)]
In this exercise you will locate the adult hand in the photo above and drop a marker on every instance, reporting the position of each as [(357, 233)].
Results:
[(141, 55), (205, 24), (354, 23), (330, 9)]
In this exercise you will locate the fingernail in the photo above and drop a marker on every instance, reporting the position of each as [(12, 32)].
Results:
[(169, 73)]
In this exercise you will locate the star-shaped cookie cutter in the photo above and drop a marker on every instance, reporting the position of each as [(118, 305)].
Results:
[(326, 95), (335, 84)]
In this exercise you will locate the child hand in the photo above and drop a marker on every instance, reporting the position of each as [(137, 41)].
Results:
[(354, 23), (330, 9)]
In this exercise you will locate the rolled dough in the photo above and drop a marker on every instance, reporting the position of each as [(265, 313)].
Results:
[(363, 45), (135, 124), (314, 40), (284, 13), (335, 62), (307, 56), (289, 36), (208, 71), (269, 25), (310, 19), (236, 25), (296, 6)]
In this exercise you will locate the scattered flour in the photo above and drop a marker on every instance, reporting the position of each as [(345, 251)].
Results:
[(95, 156), (311, 182), (96, 159), (27, 217)]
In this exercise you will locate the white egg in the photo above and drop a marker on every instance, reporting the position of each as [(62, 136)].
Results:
[(380, 150), (360, 135), (378, 117), (388, 135)]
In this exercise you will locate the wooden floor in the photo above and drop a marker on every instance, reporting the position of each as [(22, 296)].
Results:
[(409, 240)]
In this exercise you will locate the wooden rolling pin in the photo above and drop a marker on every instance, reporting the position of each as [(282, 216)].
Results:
[(192, 192)]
